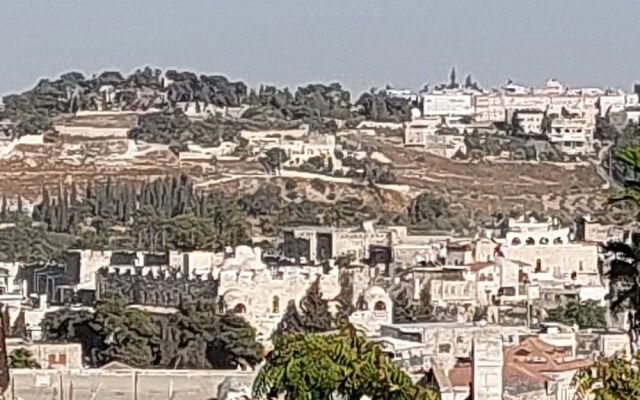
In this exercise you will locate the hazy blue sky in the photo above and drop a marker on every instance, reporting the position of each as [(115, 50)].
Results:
[(360, 43)]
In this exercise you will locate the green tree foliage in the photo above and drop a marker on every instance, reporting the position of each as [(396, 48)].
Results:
[(374, 173), (22, 358), (616, 378), (313, 316), (195, 337), (624, 278), (148, 90), (433, 211), (273, 160), (22, 240), (163, 214), (321, 366), (34, 109), (376, 105), (587, 314), (315, 310), (405, 310)]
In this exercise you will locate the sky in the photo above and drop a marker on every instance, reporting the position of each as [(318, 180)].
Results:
[(359, 43)]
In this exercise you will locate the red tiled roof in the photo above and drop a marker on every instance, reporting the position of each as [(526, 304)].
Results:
[(551, 357), (515, 369), (460, 376), (477, 266)]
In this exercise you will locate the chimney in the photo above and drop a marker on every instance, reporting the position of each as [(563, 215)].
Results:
[(488, 361)]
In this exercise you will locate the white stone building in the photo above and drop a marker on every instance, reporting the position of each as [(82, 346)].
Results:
[(574, 136), (300, 151), (530, 121), (417, 131), (447, 104), (489, 108)]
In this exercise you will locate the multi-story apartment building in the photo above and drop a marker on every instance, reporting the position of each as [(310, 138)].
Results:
[(529, 121), (489, 108), (616, 102), (574, 136), (447, 104)]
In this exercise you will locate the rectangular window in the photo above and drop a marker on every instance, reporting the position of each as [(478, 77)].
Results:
[(444, 348)]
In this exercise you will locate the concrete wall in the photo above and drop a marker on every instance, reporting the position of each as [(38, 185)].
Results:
[(110, 385)]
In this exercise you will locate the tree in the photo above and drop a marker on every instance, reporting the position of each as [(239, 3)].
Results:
[(314, 315), (624, 270), (616, 378), (195, 337), (315, 310), (22, 358), (323, 366), (274, 158), (404, 308), (587, 314), (291, 321), (234, 343)]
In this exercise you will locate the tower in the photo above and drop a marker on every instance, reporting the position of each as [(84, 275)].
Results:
[(487, 368)]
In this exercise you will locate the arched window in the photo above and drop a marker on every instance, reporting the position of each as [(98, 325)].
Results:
[(538, 265), (530, 241), (516, 242), (380, 306), (275, 305), (544, 240), (482, 278), (557, 240), (239, 309), (580, 266), (490, 276)]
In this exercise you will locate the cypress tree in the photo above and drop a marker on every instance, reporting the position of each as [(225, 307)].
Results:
[(74, 194), (315, 310), (4, 206), (19, 204), (291, 321), (64, 211), (108, 189), (89, 190)]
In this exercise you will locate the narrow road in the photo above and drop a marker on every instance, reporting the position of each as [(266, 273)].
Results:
[(305, 175)]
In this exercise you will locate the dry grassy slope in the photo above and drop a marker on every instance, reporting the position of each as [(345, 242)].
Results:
[(24, 169), (502, 185), (377, 199), (481, 186)]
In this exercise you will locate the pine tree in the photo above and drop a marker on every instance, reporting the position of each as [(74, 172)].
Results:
[(315, 310), (291, 321)]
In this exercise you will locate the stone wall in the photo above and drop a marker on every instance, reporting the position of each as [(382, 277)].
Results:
[(59, 356), (109, 385)]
